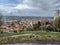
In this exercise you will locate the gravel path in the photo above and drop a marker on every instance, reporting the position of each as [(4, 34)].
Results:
[(23, 35)]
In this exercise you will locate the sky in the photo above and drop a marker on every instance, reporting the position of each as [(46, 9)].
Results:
[(29, 7)]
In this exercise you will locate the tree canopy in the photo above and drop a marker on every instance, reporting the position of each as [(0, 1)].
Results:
[(57, 22)]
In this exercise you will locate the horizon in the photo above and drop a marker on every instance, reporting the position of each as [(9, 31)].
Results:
[(27, 16)]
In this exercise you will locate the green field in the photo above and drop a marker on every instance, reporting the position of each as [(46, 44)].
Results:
[(41, 33), (38, 35)]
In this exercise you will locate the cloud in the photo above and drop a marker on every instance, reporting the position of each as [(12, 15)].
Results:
[(23, 6), (28, 7)]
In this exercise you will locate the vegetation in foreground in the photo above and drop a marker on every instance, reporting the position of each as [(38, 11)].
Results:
[(39, 35)]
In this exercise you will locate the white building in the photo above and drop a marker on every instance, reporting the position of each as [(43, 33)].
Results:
[(56, 14)]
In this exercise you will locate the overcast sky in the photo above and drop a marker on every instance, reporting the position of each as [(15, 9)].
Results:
[(29, 7)]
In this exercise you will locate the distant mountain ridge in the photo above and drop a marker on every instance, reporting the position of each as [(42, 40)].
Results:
[(25, 17)]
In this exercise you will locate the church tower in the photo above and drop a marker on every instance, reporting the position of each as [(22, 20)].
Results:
[(56, 14)]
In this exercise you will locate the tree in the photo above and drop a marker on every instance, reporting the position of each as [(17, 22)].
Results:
[(37, 26), (49, 28), (47, 22), (13, 24), (1, 20), (1, 31), (57, 22)]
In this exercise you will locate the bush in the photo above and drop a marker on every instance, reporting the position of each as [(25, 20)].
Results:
[(1, 31), (49, 28)]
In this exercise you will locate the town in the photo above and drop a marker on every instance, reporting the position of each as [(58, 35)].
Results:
[(30, 24)]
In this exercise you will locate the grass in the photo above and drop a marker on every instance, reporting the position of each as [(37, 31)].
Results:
[(39, 35), (32, 32)]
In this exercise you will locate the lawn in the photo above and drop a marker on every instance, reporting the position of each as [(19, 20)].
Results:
[(39, 35)]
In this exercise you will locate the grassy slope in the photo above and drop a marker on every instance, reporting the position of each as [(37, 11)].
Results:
[(57, 34), (39, 35)]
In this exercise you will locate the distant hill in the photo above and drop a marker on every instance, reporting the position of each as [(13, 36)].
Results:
[(25, 17)]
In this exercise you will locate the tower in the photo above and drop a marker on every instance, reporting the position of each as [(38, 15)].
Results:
[(56, 14)]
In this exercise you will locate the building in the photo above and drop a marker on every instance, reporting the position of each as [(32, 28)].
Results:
[(56, 14)]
